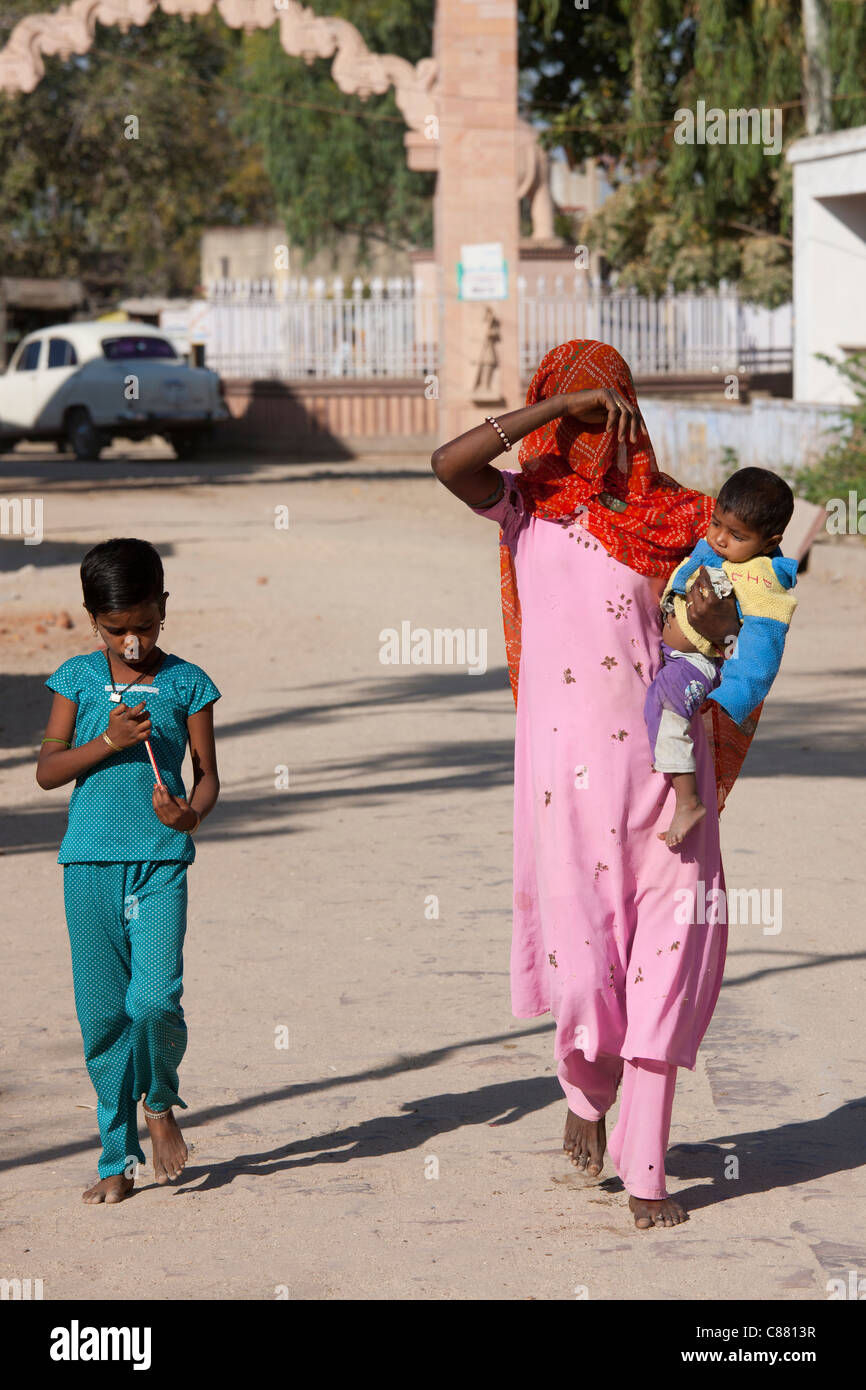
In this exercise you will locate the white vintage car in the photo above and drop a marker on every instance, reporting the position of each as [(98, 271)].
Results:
[(86, 383)]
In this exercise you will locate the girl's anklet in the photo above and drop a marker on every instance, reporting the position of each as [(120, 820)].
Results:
[(155, 1114)]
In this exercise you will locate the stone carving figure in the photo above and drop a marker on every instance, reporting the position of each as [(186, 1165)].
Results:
[(533, 181), (487, 385)]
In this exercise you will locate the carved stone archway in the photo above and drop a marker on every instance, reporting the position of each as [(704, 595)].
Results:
[(303, 34)]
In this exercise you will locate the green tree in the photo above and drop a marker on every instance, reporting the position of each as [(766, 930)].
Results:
[(231, 131), (80, 198), (688, 214), (337, 164)]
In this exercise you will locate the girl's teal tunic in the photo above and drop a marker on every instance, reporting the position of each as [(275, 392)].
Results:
[(111, 815)]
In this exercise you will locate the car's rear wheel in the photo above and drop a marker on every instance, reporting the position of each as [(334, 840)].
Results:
[(186, 445), (85, 439)]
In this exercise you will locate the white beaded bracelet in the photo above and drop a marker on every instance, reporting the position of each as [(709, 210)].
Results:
[(499, 430)]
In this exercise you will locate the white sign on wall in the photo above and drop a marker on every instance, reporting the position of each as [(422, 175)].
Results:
[(482, 272)]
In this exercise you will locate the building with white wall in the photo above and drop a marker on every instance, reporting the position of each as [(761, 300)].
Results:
[(251, 253), (829, 259)]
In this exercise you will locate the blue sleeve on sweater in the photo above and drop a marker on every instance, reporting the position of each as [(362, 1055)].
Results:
[(747, 676), (785, 570)]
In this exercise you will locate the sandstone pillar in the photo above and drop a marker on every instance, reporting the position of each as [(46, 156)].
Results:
[(475, 46)]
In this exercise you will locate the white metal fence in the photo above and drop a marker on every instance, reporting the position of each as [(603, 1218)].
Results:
[(676, 333), (295, 328), (299, 329)]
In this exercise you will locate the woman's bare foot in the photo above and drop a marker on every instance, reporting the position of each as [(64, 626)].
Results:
[(686, 817), (107, 1190), (666, 1212), (169, 1151), (584, 1142)]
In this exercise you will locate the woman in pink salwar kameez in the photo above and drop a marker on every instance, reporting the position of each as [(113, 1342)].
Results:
[(600, 937)]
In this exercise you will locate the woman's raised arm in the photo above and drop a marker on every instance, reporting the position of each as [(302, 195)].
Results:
[(463, 464)]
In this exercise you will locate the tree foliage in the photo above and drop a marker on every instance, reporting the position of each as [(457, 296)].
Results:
[(337, 164), (231, 131), (234, 131), (80, 198), (687, 214)]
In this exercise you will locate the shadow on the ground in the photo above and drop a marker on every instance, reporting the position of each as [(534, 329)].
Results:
[(145, 473), (798, 1152), (417, 1061), (766, 1159), (793, 741), (812, 958), (501, 1103), (257, 812), (788, 743)]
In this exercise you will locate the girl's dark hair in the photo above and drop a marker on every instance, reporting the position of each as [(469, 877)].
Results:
[(761, 499), (119, 574)]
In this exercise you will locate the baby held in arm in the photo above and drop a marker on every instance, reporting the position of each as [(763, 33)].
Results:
[(740, 555)]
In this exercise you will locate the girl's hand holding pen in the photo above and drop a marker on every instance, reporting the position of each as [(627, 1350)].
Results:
[(127, 727), (174, 811)]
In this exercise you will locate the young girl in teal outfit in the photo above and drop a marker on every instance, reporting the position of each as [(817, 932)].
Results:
[(127, 848)]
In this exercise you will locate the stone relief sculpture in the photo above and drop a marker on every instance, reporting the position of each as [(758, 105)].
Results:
[(303, 34), (487, 386)]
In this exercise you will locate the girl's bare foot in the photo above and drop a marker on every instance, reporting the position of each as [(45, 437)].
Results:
[(584, 1142), (169, 1151), (112, 1189), (666, 1212), (686, 817)]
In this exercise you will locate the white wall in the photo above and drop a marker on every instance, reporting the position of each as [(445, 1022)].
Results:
[(250, 251), (689, 440), (829, 258)]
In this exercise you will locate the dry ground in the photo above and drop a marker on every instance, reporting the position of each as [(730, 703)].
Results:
[(311, 1166)]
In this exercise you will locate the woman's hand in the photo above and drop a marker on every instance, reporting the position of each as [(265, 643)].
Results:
[(606, 405), (127, 727), (715, 618), (174, 811)]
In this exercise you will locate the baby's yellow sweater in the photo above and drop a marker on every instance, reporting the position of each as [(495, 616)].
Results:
[(756, 589)]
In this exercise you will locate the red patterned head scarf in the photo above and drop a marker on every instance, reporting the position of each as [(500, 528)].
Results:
[(568, 468), (642, 517)]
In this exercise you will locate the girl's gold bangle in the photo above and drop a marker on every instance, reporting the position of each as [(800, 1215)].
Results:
[(115, 746)]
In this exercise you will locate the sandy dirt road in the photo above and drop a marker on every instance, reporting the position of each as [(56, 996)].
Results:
[(312, 1170)]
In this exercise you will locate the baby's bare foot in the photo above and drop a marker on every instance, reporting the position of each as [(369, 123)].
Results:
[(169, 1151), (686, 817), (107, 1190), (584, 1142), (665, 1212)]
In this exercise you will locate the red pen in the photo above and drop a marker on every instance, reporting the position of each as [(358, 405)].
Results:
[(159, 780), (130, 652)]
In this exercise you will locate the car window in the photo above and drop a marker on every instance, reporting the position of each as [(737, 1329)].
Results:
[(61, 353), (29, 359), (116, 348)]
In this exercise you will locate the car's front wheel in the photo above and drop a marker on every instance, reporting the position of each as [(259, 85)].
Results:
[(85, 439), (187, 444)]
